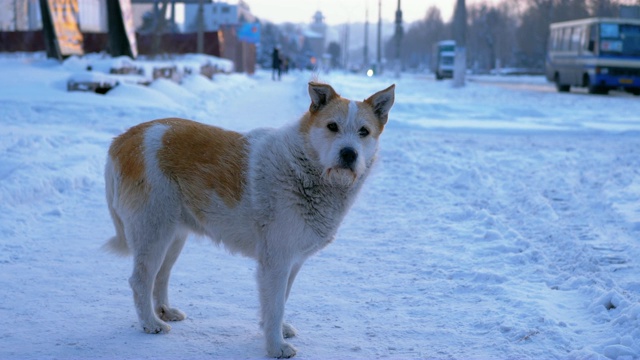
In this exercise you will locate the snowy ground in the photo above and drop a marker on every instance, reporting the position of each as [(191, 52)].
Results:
[(503, 222)]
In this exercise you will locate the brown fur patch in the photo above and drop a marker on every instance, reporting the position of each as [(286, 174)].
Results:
[(201, 158), (127, 154), (338, 108)]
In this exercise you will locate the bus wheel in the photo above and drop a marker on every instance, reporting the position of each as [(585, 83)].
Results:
[(561, 87)]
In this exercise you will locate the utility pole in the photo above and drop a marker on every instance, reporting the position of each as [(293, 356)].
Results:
[(15, 15), (365, 61), (379, 57), (398, 38), (460, 36), (173, 16), (200, 21)]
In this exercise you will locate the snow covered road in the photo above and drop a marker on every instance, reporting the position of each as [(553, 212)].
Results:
[(500, 223)]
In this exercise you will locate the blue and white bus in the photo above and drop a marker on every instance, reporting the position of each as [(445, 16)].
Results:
[(600, 54)]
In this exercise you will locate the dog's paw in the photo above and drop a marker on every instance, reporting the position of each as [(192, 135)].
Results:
[(156, 327), (168, 314), (288, 331), (282, 351)]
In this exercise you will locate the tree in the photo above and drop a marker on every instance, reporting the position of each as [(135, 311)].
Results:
[(533, 33), (604, 8), (418, 40), (491, 37), (161, 16), (433, 29), (149, 21), (270, 37)]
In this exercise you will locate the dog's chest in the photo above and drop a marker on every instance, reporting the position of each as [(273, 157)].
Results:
[(320, 206), (287, 187)]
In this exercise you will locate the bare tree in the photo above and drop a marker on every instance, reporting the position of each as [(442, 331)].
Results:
[(491, 36), (604, 8), (160, 17)]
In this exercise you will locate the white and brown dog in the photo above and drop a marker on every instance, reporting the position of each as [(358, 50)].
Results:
[(276, 195)]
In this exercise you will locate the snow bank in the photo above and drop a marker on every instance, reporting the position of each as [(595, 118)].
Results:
[(501, 222)]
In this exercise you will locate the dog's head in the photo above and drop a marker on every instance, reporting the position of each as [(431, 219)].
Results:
[(343, 134)]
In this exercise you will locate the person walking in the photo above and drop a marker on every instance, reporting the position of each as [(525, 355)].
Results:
[(276, 63)]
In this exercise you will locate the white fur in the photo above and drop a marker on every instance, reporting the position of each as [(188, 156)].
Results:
[(289, 210)]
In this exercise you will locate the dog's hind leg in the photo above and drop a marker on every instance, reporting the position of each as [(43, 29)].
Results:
[(272, 282), (161, 287), (150, 247)]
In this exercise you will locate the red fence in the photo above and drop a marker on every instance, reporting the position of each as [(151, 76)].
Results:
[(29, 41), (223, 43)]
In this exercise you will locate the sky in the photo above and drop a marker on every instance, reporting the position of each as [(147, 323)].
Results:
[(341, 11)]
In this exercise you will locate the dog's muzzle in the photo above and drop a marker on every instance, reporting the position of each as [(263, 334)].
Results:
[(348, 157)]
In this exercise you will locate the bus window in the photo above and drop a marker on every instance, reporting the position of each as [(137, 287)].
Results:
[(576, 38), (610, 38), (620, 39), (609, 31), (560, 39), (566, 39), (557, 33), (630, 35)]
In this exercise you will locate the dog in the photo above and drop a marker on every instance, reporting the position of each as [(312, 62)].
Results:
[(275, 195)]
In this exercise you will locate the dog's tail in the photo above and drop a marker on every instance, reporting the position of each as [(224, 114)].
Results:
[(117, 244)]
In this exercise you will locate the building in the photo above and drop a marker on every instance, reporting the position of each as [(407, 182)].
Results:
[(25, 15), (21, 15), (216, 14), (314, 41), (93, 16)]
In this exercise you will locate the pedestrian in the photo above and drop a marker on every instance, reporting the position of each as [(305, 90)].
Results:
[(276, 64)]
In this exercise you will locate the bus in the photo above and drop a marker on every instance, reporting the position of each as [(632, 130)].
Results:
[(444, 53), (599, 54)]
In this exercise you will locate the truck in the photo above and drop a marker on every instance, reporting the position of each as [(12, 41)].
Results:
[(443, 59)]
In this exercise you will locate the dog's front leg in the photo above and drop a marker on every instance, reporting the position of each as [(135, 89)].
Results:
[(273, 278), (288, 331)]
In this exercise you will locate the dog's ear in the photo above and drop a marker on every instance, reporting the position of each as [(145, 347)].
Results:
[(381, 103), (321, 95)]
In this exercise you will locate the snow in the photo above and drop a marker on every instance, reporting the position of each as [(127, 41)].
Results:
[(502, 222)]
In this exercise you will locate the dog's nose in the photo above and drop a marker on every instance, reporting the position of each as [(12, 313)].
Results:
[(348, 156)]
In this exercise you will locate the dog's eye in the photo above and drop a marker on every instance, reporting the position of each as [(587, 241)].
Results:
[(333, 127), (363, 132)]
